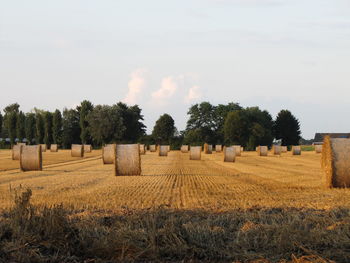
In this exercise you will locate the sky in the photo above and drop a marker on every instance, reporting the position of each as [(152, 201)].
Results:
[(166, 55)]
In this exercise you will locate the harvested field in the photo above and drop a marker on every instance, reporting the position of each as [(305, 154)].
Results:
[(211, 210)]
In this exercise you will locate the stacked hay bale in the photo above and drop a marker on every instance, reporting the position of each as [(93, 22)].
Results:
[(87, 148), (153, 148), (108, 153), (77, 150), (16, 152), (276, 149), (208, 149), (230, 154), (335, 162), (263, 150), (318, 148), (184, 148), (163, 150), (127, 160), (142, 149), (296, 150), (218, 148), (43, 147), (284, 149), (53, 148), (31, 158), (237, 149), (195, 152)]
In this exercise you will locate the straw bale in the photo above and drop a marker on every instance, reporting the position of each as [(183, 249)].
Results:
[(87, 148), (77, 150), (218, 148), (276, 149), (142, 149), (195, 152), (153, 148), (54, 148), (16, 152), (31, 158), (296, 150), (237, 149), (108, 153), (43, 147), (263, 150), (284, 149), (184, 148), (163, 150), (208, 149), (230, 154), (127, 160)]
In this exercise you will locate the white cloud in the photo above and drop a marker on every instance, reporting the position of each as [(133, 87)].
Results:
[(166, 91), (193, 94), (135, 86)]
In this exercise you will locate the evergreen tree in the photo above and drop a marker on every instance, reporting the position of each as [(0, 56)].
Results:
[(10, 121), (30, 127), (20, 126), (57, 127), (39, 128), (287, 128), (164, 129), (84, 109), (48, 128)]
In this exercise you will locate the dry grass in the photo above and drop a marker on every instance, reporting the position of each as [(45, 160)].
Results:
[(270, 207)]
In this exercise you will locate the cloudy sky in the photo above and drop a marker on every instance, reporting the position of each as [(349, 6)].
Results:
[(168, 54)]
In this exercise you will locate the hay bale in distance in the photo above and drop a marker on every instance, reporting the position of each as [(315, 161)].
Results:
[(195, 152), (184, 148), (242, 149), (168, 146), (296, 150), (230, 154), (43, 147), (16, 152), (218, 148), (87, 148), (108, 153), (142, 149), (318, 148), (335, 162), (237, 149), (21, 143), (77, 150), (53, 148), (163, 150), (153, 148), (127, 160), (31, 158), (284, 149), (276, 149), (208, 148), (263, 150)]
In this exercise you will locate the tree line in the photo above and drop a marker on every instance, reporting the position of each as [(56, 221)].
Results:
[(102, 124)]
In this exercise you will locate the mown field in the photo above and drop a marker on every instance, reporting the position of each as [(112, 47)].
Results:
[(273, 208)]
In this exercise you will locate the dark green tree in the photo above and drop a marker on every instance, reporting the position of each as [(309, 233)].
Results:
[(20, 126), (10, 121), (132, 121), (39, 128), (236, 128), (106, 124), (220, 114), (84, 109), (164, 129), (1, 122), (48, 128), (70, 128), (287, 128), (57, 127), (30, 127)]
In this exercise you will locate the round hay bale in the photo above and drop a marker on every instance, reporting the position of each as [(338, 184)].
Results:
[(284, 149), (208, 148), (16, 152), (277, 149), (263, 150), (31, 158), (335, 162), (163, 150), (296, 150), (108, 153), (153, 148), (195, 152), (77, 150), (54, 148), (127, 160), (242, 149), (318, 148), (142, 149), (230, 154), (184, 148), (43, 147), (168, 146), (218, 148), (87, 148), (237, 149), (21, 143)]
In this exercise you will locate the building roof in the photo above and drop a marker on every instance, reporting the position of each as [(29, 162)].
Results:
[(320, 136)]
